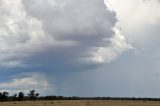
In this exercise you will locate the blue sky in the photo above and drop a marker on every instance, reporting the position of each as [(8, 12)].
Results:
[(80, 48)]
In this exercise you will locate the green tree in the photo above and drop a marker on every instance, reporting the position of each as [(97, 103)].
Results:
[(4, 96), (14, 97), (33, 95), (20, 96)]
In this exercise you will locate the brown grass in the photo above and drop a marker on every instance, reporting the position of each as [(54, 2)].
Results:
[(83, 103)]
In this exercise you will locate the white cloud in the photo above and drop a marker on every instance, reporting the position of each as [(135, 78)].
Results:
[(139, 21), (118, 45), (136, 17), (35, 81)]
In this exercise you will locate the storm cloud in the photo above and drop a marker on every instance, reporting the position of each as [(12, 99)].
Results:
[(49, 33), (54, 38)]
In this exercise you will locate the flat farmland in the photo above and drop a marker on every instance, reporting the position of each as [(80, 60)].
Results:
[(83, 103)]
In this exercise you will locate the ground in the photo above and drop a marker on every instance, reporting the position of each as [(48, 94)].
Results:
[(83, 103)]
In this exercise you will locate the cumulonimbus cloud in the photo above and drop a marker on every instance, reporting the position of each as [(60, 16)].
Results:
[(52, 32)]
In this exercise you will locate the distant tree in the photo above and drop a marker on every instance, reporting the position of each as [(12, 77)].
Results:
[(20, 96), (33, 95), (14, 97), (4, 96), (60, 97), (1, 96)]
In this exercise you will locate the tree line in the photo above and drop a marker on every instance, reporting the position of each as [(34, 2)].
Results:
[(32, 95)]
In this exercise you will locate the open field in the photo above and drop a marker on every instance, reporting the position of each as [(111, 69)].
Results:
[(83, 103)]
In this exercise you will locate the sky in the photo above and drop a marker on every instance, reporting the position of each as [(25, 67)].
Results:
[(80, 48)]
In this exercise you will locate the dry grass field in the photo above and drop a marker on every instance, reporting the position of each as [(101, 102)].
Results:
[(83, 103)]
